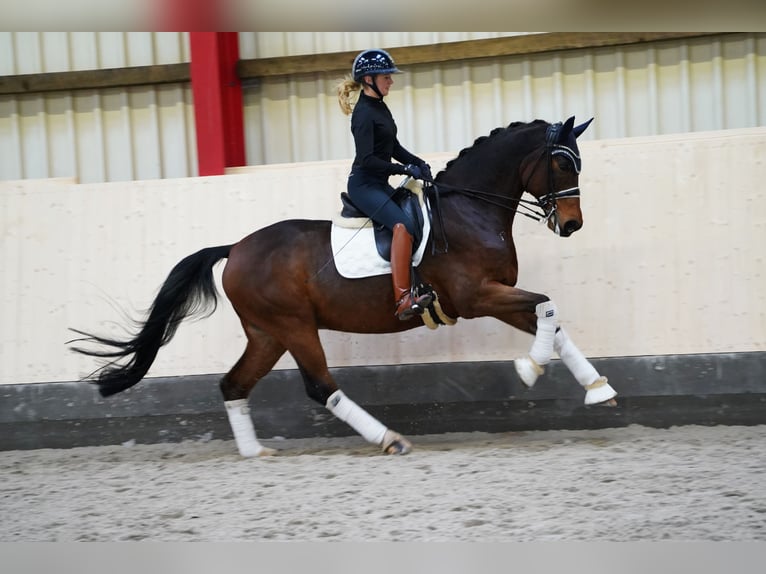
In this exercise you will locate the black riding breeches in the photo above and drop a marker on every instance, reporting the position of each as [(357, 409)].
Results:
[(373, 197)]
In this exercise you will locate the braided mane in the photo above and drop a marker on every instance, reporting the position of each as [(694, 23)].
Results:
[(492, 135)]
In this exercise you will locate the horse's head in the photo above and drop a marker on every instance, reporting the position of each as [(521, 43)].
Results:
[(551, 176)]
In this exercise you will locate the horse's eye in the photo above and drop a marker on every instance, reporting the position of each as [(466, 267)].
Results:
[(565, 164)]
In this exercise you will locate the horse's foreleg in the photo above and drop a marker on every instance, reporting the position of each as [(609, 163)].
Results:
[(514, 306), (533, 313), (260, 356), (529, 368), (550, 337), (596, 386)]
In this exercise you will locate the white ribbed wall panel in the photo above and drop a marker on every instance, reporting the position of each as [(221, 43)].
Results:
[(96, 135), (675, 86), (38, 52), (275, 44), (671, 87), (99, 135)]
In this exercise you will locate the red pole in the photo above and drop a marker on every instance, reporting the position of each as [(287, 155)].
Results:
[(218, 104), (197, 15)]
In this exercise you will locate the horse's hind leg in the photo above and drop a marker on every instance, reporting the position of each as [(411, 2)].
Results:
[(306, 349), (550, 337), (260, 356)]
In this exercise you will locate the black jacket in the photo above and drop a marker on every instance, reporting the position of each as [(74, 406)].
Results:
[(374, 131)]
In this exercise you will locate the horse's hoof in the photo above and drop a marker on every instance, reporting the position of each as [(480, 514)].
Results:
[(528, 370), (394, 443), (600, 392), (256, 453)]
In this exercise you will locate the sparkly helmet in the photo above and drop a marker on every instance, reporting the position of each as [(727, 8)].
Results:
[(372, 62)]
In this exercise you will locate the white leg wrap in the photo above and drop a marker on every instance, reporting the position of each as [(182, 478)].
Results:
[(371, 429), (599, 391), (547, 321), (573, 358), (528, 370), (242, 427), (597, 387)]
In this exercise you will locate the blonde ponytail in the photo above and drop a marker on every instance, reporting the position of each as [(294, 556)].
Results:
[(346, 97)]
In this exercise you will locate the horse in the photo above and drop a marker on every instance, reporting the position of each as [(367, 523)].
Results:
[(283, 291)]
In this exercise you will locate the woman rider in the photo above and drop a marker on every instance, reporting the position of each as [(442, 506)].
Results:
[(375, 141)]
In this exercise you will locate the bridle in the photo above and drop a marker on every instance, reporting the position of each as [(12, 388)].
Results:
[(548, 202), (540, 209)]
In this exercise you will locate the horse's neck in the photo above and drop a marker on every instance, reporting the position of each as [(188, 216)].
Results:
[(491, 178), (485, 212)]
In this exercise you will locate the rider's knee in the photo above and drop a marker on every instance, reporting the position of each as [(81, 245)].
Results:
[(410, 226)]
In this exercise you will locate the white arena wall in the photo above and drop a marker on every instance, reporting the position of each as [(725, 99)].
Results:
[(670, 259)]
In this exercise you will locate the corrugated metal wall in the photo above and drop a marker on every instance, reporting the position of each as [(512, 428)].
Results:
[(95, 135), (144, 133), (275, 44), (670, 87)]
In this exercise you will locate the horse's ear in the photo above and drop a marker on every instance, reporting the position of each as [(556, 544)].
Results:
[(565, 130), (581, 128)]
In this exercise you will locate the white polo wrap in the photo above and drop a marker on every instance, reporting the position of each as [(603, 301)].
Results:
[(371, 429), (547, 321), (242, 427), (573, 358)]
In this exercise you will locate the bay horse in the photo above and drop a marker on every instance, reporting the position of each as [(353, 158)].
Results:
[(283, 291)]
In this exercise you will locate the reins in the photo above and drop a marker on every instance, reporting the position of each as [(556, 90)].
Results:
[(433, 193), (499, 200)]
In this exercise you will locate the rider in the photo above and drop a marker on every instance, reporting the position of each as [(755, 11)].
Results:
[(375, 141)]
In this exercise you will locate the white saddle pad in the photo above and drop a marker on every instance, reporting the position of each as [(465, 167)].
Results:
[(353, 244)]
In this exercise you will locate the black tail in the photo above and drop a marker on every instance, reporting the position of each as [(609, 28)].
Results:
[(188, 290)]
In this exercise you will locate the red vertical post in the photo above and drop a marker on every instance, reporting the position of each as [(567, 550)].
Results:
[(217, 96)]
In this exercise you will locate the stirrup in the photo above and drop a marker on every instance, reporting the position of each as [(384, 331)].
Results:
[(423, 300), (412, 306), (409, 312)]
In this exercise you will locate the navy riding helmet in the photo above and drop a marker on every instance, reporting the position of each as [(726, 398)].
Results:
[(372, 62)]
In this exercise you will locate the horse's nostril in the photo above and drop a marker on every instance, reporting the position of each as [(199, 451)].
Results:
[(571, 226)]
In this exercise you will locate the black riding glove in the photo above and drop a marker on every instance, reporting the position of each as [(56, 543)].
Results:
[(413, 171), (425, 171)]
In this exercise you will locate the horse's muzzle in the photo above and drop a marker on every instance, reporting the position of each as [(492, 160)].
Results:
[(570, 227)]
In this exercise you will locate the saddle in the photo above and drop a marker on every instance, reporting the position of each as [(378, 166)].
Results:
[(353, 233), (404, 198)]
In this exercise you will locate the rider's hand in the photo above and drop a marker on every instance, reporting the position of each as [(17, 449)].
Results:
[(413, 171), (425, 171)]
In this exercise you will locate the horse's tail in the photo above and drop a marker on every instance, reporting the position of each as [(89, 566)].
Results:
[(188, 290)]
